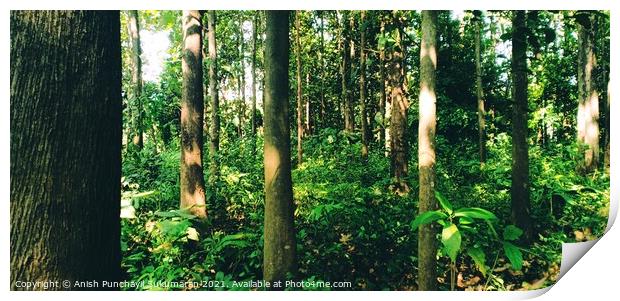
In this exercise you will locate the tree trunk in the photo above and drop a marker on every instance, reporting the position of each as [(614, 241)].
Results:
[(399, 107), (279, 244), (346, 73), (607, 126), (520, 191), (427, 245), (133, 25), (588, 110), (192, 109), (363, 86), (382, 91), (482, 139), (254, 37), (241, 79), (214, 139), (300, 123), (65, 147), (323, 122)]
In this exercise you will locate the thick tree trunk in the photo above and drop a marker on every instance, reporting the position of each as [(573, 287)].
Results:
[(300, 106), (398, 119), (520, 191), (588, 110), (214, 134), (192, 109), (65, 147), (363, 86), (482, 139), (133, 25), (279, 245), (427, 245)]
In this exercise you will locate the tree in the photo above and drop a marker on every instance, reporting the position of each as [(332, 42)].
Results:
[(214, 134), (427, 246), (300, 127), (254, 38), (346, 43), (588, 109), (192, 110), (520, 189), (241, 80), (363, 85), (382, 90), (400, 105), (279, 245), (479, 93), (65, 146), (322, 68), (133, 25)]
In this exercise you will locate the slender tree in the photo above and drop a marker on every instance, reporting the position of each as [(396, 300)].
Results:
[(279, 245), (241, 79), (133, 26), (346, 73), (300, 123), (482, 139), (400, 105), (362, 71), (382, 90), (323, 122), (520, 190), (254, 45), (427, 246), (214, 135), (192, 109), (588, 109), (65, 146)]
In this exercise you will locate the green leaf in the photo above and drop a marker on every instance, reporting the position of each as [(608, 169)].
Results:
[(451, 240), (478, 213), (443, 202), (479, 258), (427, 217), (514, 255), (512, 232), (465, 220)]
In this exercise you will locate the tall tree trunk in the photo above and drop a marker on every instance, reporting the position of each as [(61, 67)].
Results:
[(363, 86), (382, 91), (192, 109), (214, 135), (427, 246), (300, 123), (279, 245), (399, 107), (308, 107), (482, 139), (346, 73), (520, 191), (323, 122), (607, 125), (588, 110), (133, 25), (254, 37), (65, 147), (241, 79)]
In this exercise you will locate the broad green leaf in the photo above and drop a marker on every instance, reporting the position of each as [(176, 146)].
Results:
[(478, 213), (514, 255), (465, 220), (479, 258), (427, 217), (443, 202), (451, 240), (512, 232)]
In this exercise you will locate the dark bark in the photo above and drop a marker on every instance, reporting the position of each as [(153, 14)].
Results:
[(520, 191), (279, 244), (427, 242), (254, 37), (192, 110), (364, 122), (323, 122), (65, 146), (382, 91), (133, 25)]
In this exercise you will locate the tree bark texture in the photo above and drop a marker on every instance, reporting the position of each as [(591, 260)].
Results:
[(133, 24)]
